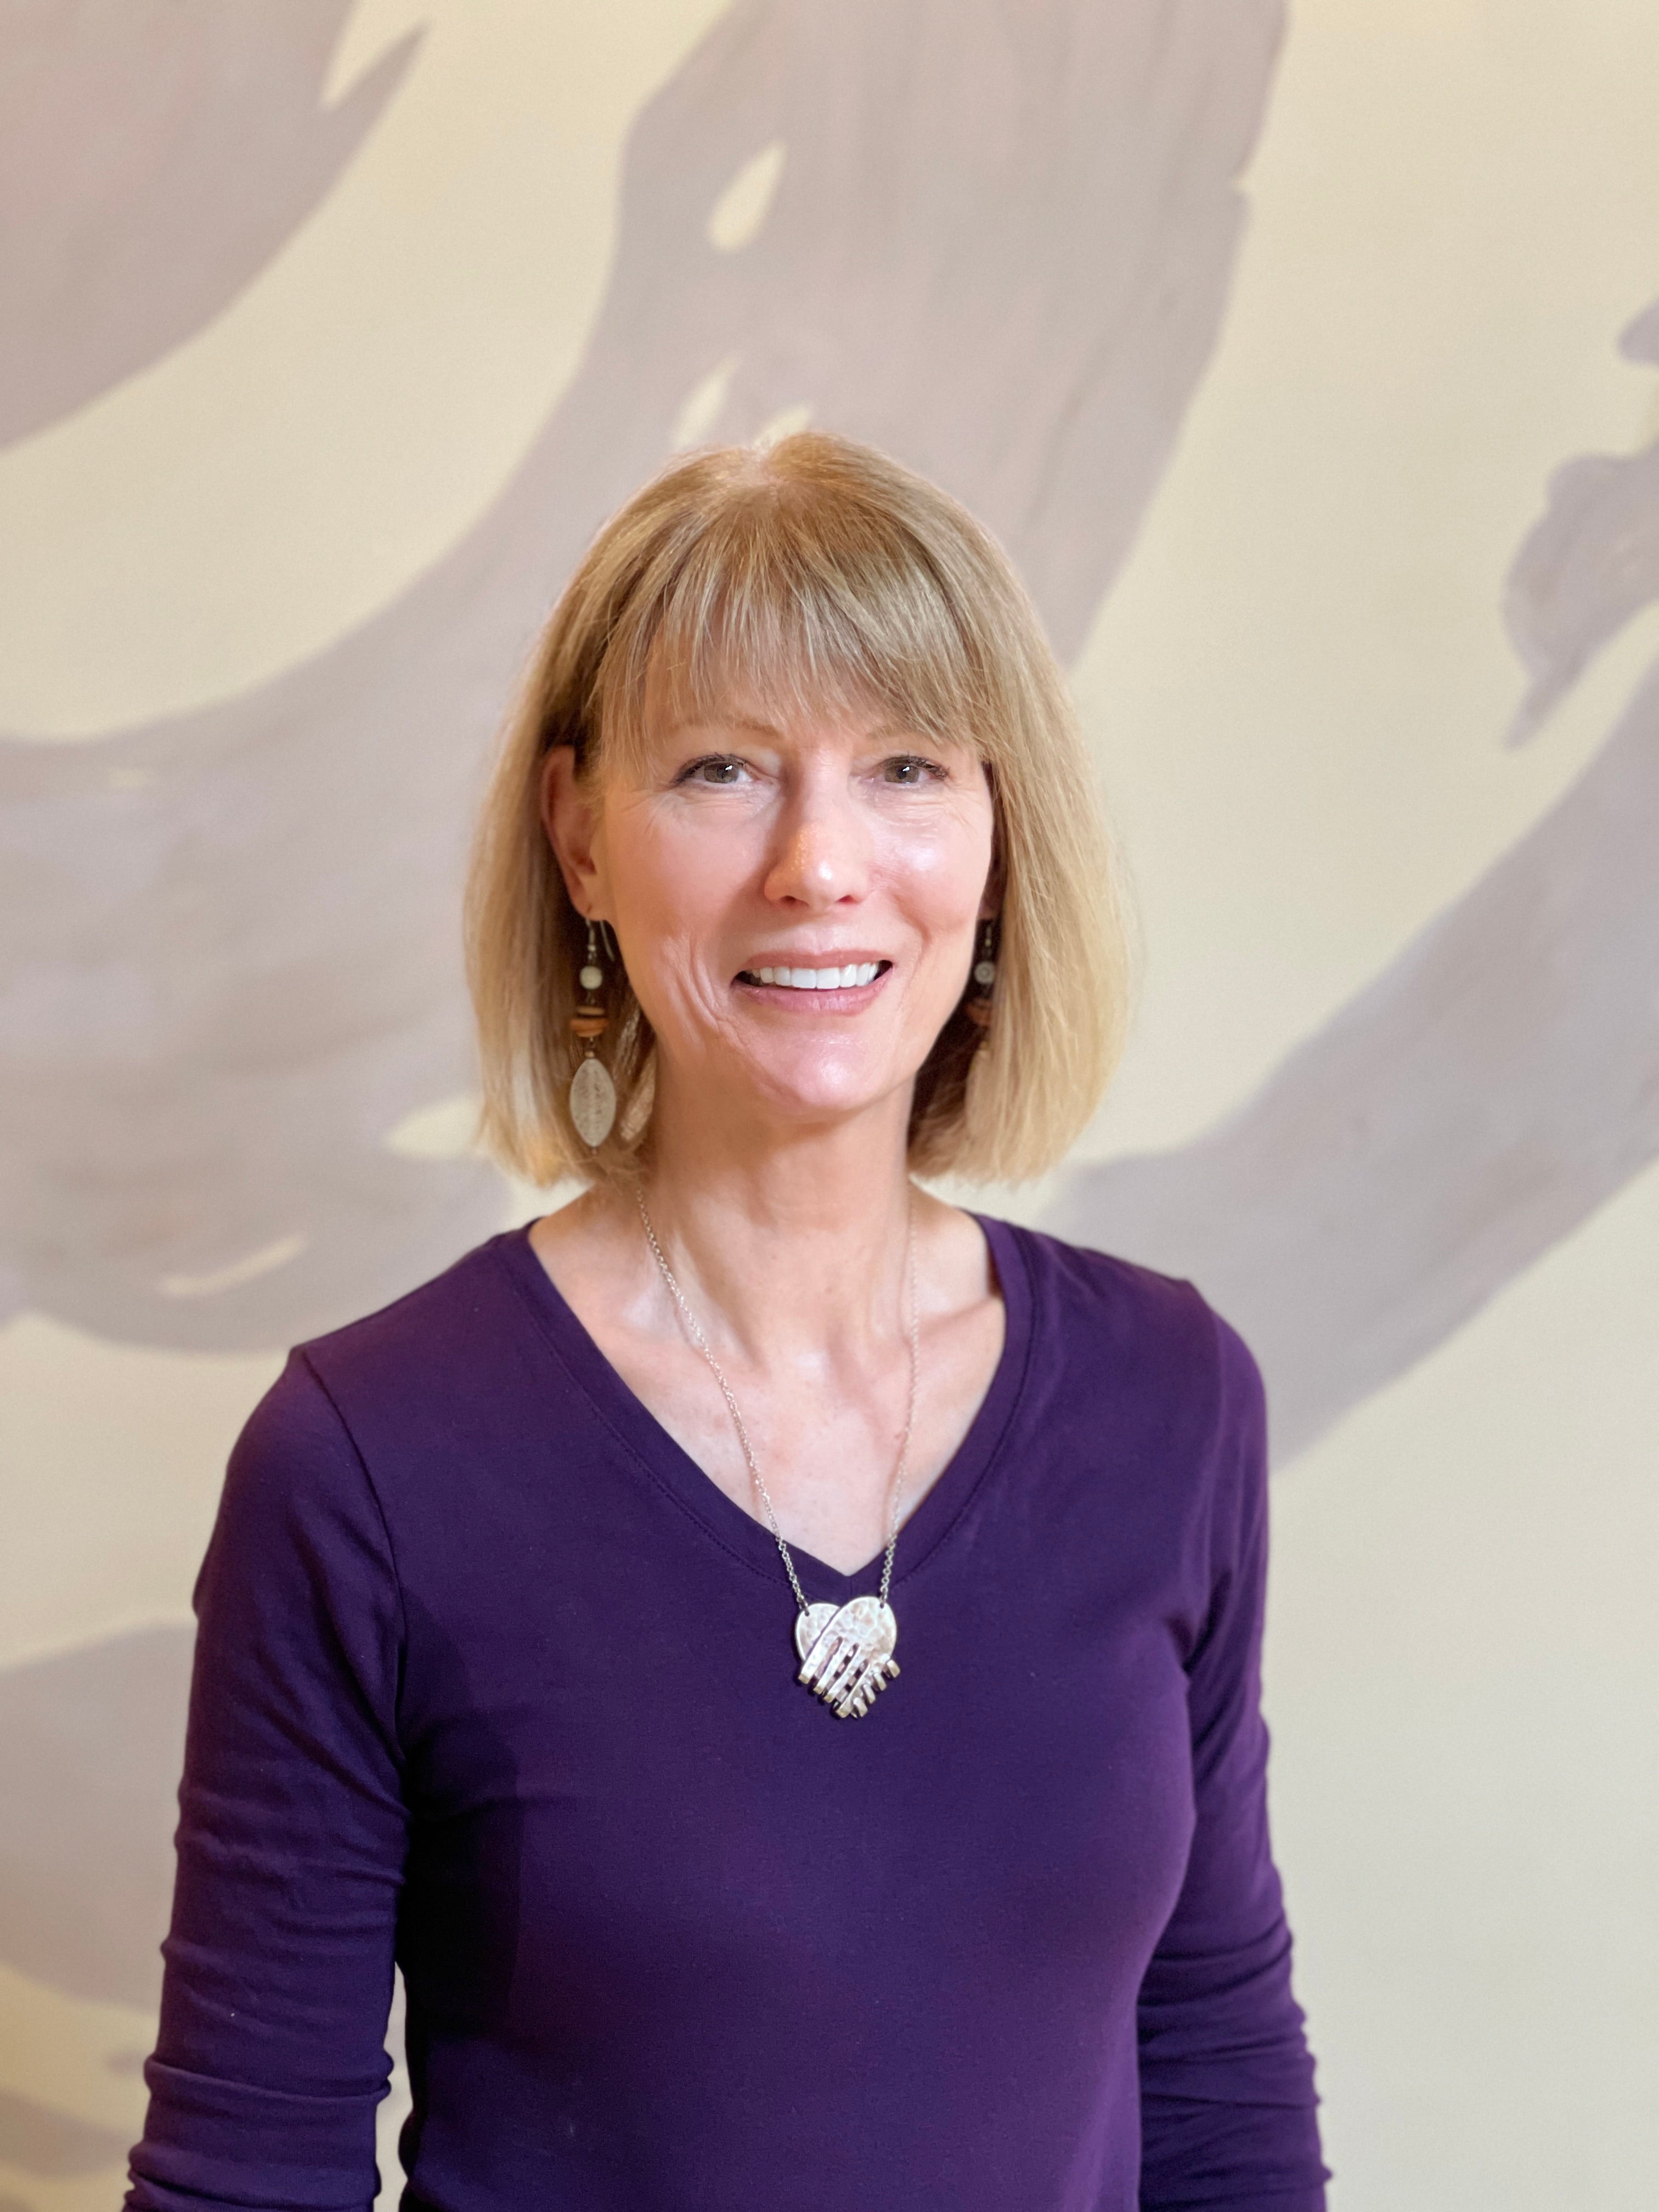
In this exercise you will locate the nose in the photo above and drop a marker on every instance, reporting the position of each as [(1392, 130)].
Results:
[(822, 856)]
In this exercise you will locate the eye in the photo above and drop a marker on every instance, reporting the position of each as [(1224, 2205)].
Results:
[(910, 771), (716, 769)]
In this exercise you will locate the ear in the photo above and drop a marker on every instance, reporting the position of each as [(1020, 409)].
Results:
[(990, 901), (570, 817)]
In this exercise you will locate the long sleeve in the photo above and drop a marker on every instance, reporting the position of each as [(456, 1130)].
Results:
[(1227, 2096), (291, 1840)]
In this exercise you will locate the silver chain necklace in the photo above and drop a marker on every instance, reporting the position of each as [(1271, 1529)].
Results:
[(846, 1651)]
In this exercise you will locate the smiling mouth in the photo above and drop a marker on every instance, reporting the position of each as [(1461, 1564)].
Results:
[(850, 978)]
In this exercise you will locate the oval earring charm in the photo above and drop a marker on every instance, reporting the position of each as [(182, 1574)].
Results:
[(592, 1094), (592, 1102)]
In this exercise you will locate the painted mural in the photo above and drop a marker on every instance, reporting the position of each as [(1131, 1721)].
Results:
[(233, 964), (1498, 1083), (999, 242), (152, 160)]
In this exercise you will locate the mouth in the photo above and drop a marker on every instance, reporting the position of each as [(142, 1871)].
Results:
[(851, 982)]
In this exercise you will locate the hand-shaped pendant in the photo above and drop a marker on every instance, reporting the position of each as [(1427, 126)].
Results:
[(846, 1653)]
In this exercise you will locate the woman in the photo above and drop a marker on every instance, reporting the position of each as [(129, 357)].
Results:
[(773, 1655)]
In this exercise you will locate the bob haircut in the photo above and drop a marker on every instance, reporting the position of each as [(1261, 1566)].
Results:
[(814, 575)]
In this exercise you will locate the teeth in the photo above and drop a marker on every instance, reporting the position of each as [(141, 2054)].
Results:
[(818, 979)]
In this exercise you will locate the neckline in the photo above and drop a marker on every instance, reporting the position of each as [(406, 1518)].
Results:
[(737, 1532)]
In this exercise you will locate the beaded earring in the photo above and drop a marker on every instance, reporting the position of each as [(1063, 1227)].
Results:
[(592, 1094), (978, 1009)]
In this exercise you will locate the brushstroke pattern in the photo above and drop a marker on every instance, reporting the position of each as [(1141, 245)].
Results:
[(999, 243), (153, 156), (1496, 1084)]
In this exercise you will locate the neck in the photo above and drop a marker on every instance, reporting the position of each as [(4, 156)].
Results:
[(789, 1242)]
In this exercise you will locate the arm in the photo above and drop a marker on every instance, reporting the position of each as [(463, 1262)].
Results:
[(1226, 2084), (270, 2059)]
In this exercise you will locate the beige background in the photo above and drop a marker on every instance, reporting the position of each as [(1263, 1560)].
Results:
[(1299, 684)]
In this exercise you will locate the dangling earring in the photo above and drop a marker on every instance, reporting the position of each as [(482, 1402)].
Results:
[(978, 1009), (592, 1094)]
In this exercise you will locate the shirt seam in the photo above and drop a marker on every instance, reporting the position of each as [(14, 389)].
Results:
[(372, 1487), (1216, 1456)]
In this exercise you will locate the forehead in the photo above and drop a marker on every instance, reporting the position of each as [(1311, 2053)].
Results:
[(791, 712), (786, 722), (782, 668)]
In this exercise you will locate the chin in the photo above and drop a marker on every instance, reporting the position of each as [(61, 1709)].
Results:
[(819, 1092)]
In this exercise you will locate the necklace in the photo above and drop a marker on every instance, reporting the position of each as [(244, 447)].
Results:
[(845, 1652)]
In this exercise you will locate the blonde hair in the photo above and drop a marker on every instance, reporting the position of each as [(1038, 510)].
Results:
[(816, 572)]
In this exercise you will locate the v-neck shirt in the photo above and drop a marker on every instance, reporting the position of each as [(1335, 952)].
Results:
[(492, 1677), (657, 1449)]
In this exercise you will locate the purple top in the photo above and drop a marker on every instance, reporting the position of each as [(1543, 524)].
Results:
[(492, 1676)]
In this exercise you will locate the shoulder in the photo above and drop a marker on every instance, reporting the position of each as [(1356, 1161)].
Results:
[(1126, 1332), (1100, 1299), (448, 1334), (403, 1372)]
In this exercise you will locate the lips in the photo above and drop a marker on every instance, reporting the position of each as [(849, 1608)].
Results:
[(817, 977)]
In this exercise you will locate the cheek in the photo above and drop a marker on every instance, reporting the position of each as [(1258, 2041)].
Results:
[(672, 879), (942, 869), (672, 892)]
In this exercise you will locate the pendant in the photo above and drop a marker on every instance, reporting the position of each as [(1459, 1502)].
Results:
[(592, 1102), (846, 1653)]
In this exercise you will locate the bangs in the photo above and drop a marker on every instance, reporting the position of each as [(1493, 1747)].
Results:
[(793, 606)]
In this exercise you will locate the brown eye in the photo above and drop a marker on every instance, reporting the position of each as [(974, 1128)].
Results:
[(909, 770)]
